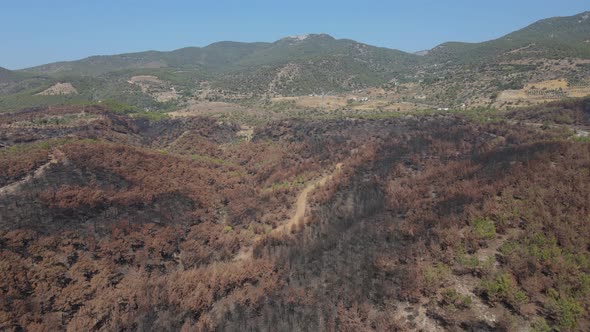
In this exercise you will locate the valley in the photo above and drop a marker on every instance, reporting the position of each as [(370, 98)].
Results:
[(306, 184)]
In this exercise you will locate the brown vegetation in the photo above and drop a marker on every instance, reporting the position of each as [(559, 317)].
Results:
[(471, 226)]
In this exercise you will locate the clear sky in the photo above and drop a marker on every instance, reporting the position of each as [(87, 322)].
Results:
[(34, 32)]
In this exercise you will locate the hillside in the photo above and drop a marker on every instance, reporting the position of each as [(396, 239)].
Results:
[(305, 184), (291, 66), (554, 38), (318, 64), (432, 222), (231, 56), (4, 72), (213, 57), (7, 76)]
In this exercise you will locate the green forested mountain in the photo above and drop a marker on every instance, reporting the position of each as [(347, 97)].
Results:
[(556, 37), (7, 75), (231, 56), (550, 38), (311, 64), (214, 56)]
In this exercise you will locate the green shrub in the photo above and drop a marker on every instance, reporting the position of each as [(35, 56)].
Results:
[(497, 289), (451, 297), (509, 247), (540, 325), (503, 288), (151, 116), (519, 298), (484, 228), (468, 261), (565, 310), (582, 139), (543, 247), (435, 276)]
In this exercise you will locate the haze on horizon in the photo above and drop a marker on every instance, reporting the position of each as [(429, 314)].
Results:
[(36, 32)]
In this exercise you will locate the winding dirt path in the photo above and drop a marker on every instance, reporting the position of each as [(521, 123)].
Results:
[(300, 207), (39, 172), (301, 203)]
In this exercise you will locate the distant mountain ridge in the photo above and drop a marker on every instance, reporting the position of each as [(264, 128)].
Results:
[(291, 65), (226, 56), (13, 75), (7, 75), (558, 36), (553, 38), (319, 64)]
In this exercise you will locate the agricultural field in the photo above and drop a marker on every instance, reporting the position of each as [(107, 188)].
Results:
[(544, 91)]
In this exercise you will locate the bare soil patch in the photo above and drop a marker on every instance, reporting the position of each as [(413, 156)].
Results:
[(59, 89)]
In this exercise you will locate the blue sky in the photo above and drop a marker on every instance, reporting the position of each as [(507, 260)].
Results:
[(41, 31)]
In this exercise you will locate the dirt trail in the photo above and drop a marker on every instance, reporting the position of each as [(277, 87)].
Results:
[(39, 172), (300, 208), (301, 203)]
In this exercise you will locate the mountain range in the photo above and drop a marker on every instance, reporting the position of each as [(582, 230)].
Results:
[(310, 184), (316, 64), (554, 37)]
